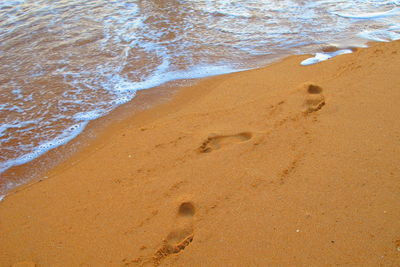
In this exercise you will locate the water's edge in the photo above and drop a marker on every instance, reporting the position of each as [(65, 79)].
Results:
[(74, 63), (146, 99)]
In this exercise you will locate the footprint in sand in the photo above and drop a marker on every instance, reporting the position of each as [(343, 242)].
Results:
[(314, 100), (179, 238), (214, 142)]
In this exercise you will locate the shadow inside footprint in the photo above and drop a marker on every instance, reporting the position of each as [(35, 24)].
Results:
[(215, 142), (186, 209), (313, 89)]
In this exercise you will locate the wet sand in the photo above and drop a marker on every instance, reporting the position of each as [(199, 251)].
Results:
[(280, 166)]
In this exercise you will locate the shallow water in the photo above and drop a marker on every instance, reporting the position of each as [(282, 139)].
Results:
[(65, 63)]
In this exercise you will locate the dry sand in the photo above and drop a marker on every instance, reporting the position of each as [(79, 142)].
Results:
[(279, 166)]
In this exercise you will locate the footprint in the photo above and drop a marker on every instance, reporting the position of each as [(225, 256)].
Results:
[(214, 142), (175, 242), (314, 100), (179, 238)]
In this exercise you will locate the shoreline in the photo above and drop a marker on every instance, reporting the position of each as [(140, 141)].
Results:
[(144, 99), (284, 164), (54, 158), (21, 175)]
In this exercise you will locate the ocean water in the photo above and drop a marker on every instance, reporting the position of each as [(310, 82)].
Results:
[(64, 63)]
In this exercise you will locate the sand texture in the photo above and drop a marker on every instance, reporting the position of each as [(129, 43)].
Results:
[(280, 166)]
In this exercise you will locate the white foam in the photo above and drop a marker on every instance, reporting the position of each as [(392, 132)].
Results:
[(66, 136), (375, 15), (324, 56), (379, 35), (88, 115)]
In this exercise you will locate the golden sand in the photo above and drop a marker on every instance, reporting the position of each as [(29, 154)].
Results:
[(280, 166)]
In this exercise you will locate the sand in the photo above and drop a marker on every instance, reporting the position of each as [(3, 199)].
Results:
[(280, 166)]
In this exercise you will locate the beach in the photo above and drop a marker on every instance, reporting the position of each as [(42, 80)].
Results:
[(285, 165), (67, 65)]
